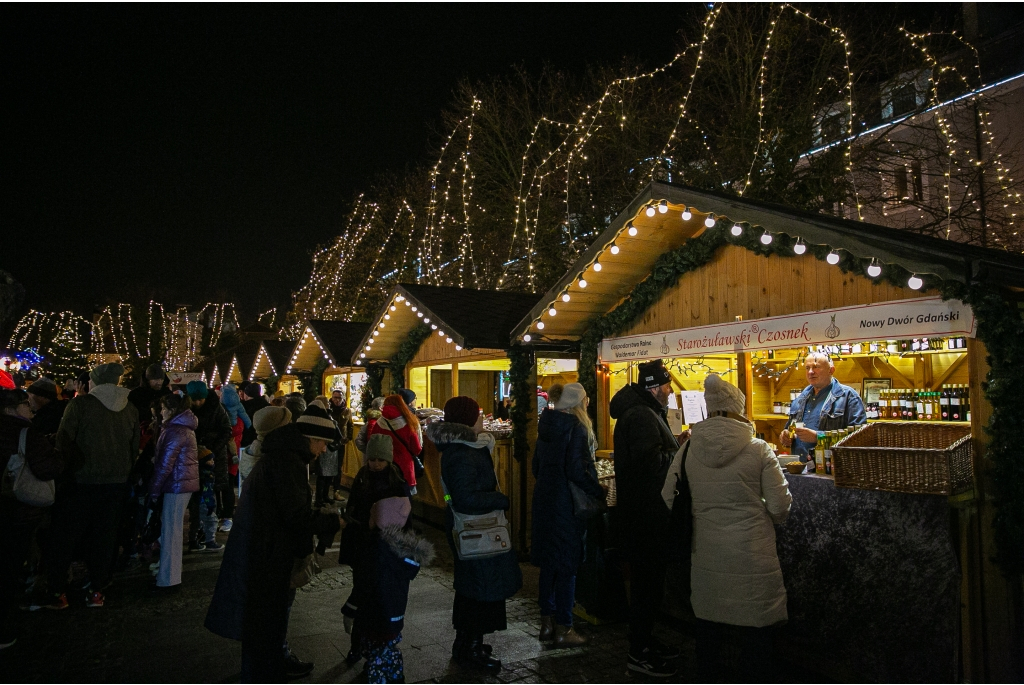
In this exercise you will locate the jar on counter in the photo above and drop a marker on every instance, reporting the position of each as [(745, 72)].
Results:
[(777, 407)]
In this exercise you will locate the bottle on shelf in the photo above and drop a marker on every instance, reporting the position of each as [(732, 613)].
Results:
[(954, 404), (944, 404), (882, 408), (819, 452), (919, 410), (896, 406), (833, 438), (965, 403)]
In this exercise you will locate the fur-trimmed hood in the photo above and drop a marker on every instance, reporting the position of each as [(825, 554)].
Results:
[(443, 433), (406, 544)]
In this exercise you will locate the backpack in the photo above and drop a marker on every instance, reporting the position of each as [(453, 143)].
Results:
[(22, 484)]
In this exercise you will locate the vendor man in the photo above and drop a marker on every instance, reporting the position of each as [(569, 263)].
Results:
[(824, 405)]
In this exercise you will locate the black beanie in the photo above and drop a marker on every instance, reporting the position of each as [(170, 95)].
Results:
[(653, 374)]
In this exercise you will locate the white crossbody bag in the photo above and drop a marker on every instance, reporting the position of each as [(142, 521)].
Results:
[(22, 484), (479, 536)]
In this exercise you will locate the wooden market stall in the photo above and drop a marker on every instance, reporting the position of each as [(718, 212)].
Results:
[(334, 343), (271, 360), (882, 585), (441, 342)]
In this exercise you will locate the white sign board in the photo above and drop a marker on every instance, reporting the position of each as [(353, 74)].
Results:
[(694, 408), (184, 377), (902, 319)]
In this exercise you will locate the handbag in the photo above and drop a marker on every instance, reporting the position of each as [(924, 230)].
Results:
[(479, 536), (676, 494), (303, 571), (22, 484), (583, 505), (417, 462)]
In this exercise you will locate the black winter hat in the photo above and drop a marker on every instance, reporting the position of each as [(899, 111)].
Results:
[(653, 374), (316, 423)]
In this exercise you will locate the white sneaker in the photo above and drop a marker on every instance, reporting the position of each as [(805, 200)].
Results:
[(225, 526)]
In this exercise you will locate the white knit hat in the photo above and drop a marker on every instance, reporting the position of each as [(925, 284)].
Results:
[(572, 394), (720, 395)]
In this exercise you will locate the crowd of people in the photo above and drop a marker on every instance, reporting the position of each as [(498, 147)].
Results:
[(124, 468)]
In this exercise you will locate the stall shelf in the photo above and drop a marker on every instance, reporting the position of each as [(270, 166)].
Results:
[(695, 275)]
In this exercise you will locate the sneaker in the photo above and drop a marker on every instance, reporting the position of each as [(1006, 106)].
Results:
[(196, 546), (56, 602), (663, 651), (225, 526), (212, 547), (95, 600), (649, 664), (293, 668)]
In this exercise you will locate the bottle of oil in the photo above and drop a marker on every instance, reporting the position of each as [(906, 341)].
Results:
[(883, 406), (819, 452)]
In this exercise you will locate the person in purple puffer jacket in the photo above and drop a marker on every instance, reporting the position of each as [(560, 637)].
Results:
[(176, 477)]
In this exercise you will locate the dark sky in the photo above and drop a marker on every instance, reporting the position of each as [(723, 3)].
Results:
[(195, 152)]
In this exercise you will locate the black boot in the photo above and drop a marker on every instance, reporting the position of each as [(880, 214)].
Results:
[(459, 646), (474, 654)]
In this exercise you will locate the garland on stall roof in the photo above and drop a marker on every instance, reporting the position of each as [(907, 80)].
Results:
[(373, 386), (1000, 328), (524, 402), (406, 351)]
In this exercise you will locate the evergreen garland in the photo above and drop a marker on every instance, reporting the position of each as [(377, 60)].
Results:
[(524, 405), (1000, 328), (406, 351), (373, 386)]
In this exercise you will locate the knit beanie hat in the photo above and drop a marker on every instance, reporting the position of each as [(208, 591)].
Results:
[(154, 372), (379, 446), (269, 418), (9, 397), (720, 395), (296, 405), (106, 373), (408, 396), (572, 394), (197, 390), (462, 409), (316, 423), (44, 387), (390, 511), (253, 390), (653, 374)]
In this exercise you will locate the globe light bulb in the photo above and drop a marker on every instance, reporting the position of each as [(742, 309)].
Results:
[(874, 270), (583, 283), (766, 238), (631, 229), (448, 340), (527, 338), (832, 258), (799, 248), (376, 333), (358, 362), (362, 355), (565, 297), (552, 311), (915, 282), (433, 326), (650, 210), (687, 215), (427, 320), (540, 325), (387, 316), (393, 307), (663, 207), (381, 324), (407, 303), (710, 221), (458, 347), (440, 334), (597, 266), (614, 249), (419, 314), (735, 230)]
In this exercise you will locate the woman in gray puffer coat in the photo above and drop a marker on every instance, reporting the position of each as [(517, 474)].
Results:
[(176, 477), (739, 492)]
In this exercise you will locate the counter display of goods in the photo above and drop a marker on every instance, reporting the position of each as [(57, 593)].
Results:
[(501, 430), (427, 415)]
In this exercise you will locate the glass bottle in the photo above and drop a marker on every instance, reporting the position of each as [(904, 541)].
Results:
[(954, 404), (965, 403), (883, 405), (819, 452), (944, 403)]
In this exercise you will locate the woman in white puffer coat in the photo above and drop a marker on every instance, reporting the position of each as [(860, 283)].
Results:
[(739, 492)]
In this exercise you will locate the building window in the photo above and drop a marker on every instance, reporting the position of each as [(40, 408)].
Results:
[(904, 99), (907, 184)]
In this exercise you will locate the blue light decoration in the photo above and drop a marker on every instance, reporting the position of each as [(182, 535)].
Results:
[(29, 357)]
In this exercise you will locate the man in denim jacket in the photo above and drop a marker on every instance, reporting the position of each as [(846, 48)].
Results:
[(824, 405)]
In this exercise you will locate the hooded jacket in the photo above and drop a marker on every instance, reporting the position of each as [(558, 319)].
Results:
[(468, 473), (404, 438), (739, 492), (562, 456), (213, 433), (367, 488), (232, 404), (176, 469), (644, 447), (101, 433)]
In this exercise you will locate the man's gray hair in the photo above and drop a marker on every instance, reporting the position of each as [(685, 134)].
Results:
[(819, 356)]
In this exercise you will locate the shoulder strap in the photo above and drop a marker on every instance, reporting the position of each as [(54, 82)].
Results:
[(21, 442), (392, 431)]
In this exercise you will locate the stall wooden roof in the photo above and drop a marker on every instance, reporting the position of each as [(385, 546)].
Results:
[(665, 231), (472, 319), (335, 341), (271, 359)]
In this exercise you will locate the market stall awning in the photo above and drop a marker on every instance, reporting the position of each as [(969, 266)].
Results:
[(245, 357), (470, 319), (664, 216), (271, 359), (335, 341)]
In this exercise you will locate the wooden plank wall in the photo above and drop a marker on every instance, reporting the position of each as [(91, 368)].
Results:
[(435, 350)]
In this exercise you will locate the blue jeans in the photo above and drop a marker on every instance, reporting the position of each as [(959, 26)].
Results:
[(557, 596)]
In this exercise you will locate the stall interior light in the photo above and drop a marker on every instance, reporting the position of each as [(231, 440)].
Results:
[(381, 324), (874, 270), (407, 303), (766, 238), (614, 249), (832, 258), (367, 348), (710, 221), (414, 308), (735, 230), (597, 266), (915, 282), (800, 247), (565, 297), (631, 229), (663, 207), (583, 283), (527, 338), (376, 333), (650, 210), (358, 362), (552, 311)]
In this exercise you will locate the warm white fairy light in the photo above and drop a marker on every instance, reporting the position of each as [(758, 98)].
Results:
[(832, 258), (800, 247), (631, 229), (915, 282), (597, 266), (527, 338), (552, 311), (687, 215), (614, 249), (565, 297), (663, 207), (583, 283), (710, 222), (650, 211), (874, 270), (540, 325), (766, 238), (735, 230)]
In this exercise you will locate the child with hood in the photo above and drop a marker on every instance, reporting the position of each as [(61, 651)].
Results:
[(239, 421)]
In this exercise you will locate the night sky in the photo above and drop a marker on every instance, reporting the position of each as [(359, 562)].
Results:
[(194, 153)]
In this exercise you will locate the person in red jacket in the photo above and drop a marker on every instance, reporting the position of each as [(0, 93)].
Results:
[(404, 428)]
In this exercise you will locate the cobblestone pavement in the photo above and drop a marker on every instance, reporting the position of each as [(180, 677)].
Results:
[(141, 638)]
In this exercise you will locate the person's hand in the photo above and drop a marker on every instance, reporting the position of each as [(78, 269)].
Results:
[(807, 435), (683, 437), (348, 624), (785, 439)]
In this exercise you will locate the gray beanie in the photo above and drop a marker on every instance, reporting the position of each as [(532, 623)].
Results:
[(720, 395), (379, 446)]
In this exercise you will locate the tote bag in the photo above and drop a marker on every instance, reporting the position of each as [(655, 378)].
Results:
[(22, 484)]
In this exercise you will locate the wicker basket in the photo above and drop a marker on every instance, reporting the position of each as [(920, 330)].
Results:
[(922, 458)]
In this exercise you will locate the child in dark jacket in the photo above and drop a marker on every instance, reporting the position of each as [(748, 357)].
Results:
[(208, 500), (388, 564)]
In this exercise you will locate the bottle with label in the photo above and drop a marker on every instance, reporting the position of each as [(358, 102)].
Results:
[(833, 438), (819, 452), (944, 404), (919, 410), (965, 403), (896, 406), (883, 405), (954, 404)]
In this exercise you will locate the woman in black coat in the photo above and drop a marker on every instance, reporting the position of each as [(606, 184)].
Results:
[(564, 454), (277, 527), (481, 585)]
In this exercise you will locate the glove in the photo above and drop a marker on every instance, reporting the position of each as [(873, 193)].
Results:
[(348, 624)]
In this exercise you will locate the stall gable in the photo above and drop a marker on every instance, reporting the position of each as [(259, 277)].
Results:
[(435, 349), (262, 368), (737, 282)]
